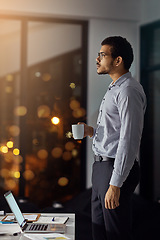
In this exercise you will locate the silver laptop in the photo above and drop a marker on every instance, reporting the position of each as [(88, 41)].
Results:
[(31, 227)]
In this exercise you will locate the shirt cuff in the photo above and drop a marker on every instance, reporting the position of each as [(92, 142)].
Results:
[(116, 180)]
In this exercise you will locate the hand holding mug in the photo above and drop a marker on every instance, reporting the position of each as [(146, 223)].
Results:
[(81, 130)]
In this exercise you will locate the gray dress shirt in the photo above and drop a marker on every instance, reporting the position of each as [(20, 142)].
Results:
[(120, 125)]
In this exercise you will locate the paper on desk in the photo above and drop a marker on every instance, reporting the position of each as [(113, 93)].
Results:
[(57, 219), (46, 236), (10, 228), (29, 217)]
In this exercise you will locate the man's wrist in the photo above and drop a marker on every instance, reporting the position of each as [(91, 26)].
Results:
[(114, 187)]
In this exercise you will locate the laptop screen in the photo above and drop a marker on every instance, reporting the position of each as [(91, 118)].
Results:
[(14, 207)]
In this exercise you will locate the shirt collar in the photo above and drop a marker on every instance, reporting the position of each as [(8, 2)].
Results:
[(120, 80)]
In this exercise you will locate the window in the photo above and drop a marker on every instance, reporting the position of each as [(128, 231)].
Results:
[(43, 92), (150, 77)]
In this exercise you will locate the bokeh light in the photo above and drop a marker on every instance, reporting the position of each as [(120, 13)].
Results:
[(55, 120), (9, 144), (37, 74), (42, 154), (46, 77), (9, 78), (8, 89), (72, 85), (18, 159), (74, 104), (16, 151), (10, 184), (14, 130), (69, 146), (78, 113), (20, 111), (43, 111), (9, 157), (63, 181), (4, 149), (74, 153), (57, 152), (35, 142), (17, 174), (28, 175), (69, 134)]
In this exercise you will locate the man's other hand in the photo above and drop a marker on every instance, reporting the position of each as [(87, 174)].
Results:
[(112, 197)]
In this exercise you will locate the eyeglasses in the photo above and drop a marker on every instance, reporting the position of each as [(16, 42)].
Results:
[(101, 55)]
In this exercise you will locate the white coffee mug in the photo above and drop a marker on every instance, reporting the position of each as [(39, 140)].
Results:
[(78, 131)]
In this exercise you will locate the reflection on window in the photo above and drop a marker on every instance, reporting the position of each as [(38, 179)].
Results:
[(154, 54)]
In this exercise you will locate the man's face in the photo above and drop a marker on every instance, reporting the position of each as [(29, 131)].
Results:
[(105, 62)]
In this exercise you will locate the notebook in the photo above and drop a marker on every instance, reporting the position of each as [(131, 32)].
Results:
[(31, 227)]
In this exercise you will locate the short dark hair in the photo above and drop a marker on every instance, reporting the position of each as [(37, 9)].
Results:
[(120, 47)]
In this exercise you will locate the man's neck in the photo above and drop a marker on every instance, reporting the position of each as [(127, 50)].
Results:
[(117, 75)]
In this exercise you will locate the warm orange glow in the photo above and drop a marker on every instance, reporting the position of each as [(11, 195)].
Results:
[(10, 184), (9, 157), (79, 112), (4, 149), (28, 175), (74, 104), (57, 152), (18, 159), (9, 78), (46, 77), (42, 154), (35, 141), (69, 146), (14, 130), (8, 89), (63, 181), (55, 120), (5, 173), (43, 111), (16, 151), (20, 111), (10, 144), (17, 174)]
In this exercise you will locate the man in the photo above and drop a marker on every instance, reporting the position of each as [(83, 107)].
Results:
[(116, 142)]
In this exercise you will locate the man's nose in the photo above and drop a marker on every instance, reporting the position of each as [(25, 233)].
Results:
[(98, 59)]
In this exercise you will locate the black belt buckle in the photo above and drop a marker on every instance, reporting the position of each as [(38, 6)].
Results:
[(100, 158)]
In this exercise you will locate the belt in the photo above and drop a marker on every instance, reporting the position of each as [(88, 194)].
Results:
[(100, 158)]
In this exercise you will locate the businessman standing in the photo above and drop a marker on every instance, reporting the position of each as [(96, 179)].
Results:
[(116, 142)]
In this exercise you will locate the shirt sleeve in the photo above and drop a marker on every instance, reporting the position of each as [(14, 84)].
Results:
[(130, 105)]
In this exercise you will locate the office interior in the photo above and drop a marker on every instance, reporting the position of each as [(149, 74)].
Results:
[(48, 82)]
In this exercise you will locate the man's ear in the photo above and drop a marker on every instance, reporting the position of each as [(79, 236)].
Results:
[(118, 60)]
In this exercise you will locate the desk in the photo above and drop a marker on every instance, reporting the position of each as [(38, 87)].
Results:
[(70, 227)]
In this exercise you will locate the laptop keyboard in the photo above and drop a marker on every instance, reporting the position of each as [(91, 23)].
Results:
[(38, 227)]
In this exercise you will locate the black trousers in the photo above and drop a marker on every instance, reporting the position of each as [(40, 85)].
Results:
[(112, 224)]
